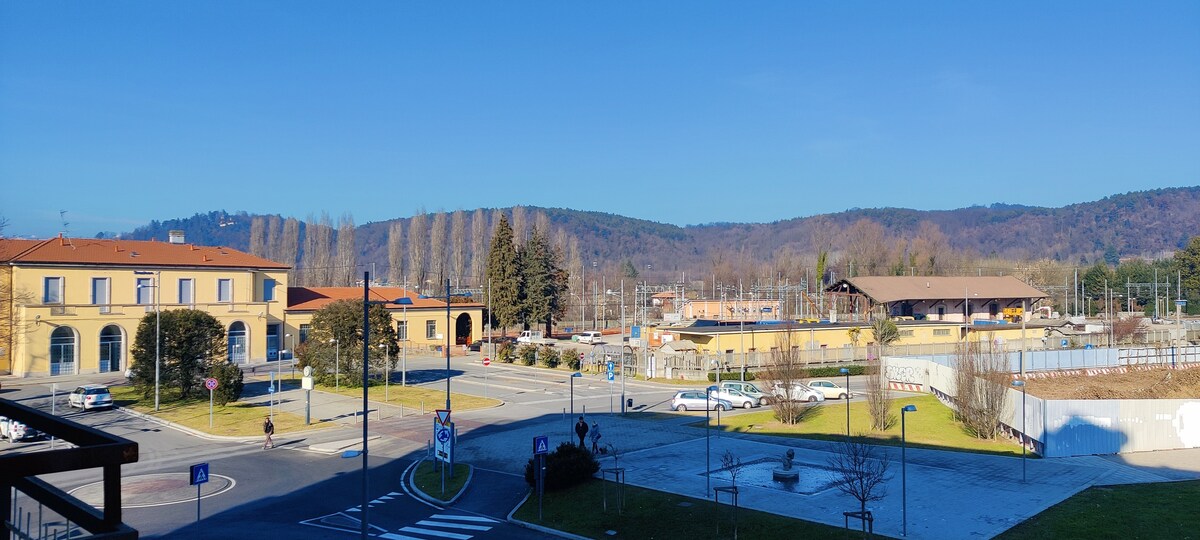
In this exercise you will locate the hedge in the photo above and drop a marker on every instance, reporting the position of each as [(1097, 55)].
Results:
[(735, 376)]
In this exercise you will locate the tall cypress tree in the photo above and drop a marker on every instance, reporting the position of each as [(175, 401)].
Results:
[(503, 274), (537, 279)]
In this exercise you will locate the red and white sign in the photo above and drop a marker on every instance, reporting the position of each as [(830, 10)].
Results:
[(210, 383), (443, 416), (487, 362)]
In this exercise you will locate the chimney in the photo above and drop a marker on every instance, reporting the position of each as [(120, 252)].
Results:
[(175, 237)]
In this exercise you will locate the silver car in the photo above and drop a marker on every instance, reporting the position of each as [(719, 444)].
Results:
[(797, 392), (14, 431), (697, 400)]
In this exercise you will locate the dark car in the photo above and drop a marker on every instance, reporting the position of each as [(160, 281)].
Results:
[(477, 345)]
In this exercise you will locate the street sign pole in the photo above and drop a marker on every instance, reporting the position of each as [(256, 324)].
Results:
[(211, 384), (197, 475)]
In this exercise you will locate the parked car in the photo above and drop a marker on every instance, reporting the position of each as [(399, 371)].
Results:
[(591, 338), (798, 392), (478, 344), (830, 389), (696, 400), (15, 431), (748, 389), (735, 397), (90, 396)]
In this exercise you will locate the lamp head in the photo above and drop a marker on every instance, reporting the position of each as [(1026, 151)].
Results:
[(909, 408), (844, 371), (1018, 384), (403, 301), (333, 340), (577, 374)]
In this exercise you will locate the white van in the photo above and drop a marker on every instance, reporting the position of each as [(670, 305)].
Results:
[(591, 338)]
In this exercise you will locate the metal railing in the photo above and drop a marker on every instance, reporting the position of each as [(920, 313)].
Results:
[(88, 448)]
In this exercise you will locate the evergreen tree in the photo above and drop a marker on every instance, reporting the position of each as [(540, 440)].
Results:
[(537, 279), (504, 274), (191, 343), (1187, 263)]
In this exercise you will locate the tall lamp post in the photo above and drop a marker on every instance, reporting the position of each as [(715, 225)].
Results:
[(1021, 385), (157, 326), (572, 417), (904, 471), (846, 372), (387, 369), (337, 362), (448, 295)]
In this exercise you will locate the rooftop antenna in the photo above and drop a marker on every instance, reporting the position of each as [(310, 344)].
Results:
[(66, 233)]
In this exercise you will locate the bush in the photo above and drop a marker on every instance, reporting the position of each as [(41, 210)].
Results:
[(734, 376), (527, 354), (571, 357), (229, 382), (505, 353), (549, 356), (835, 371), (568, 465)]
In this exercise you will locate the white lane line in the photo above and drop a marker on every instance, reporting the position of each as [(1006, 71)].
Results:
[(393, 536), (463, 526), (463, 518), (432, 532)]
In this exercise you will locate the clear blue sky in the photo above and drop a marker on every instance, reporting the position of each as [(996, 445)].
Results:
[(678, 112)]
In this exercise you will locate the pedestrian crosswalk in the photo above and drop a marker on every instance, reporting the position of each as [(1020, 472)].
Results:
[(436, 526)]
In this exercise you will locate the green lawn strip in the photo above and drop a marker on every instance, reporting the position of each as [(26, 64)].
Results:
[(1133, 511), (650, 514), (428, 479), (235, 419), (931, 426), (411, 397)]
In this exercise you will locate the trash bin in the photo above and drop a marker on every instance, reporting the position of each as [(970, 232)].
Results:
[(629, 403)]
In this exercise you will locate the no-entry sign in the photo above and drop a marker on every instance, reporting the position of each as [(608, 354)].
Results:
[(487, 362)]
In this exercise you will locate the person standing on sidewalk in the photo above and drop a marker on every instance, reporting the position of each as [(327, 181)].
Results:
[(268, 430), (581, 429), (595, 438)]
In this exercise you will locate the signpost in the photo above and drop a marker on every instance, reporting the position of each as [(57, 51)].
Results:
[(486, 362), (211, 384), (196, 476), (443, 446), (541, 447), (307, 384), (271, 393), (611, 377)]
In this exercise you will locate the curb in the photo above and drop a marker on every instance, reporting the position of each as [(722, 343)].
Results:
[(438, 502), (201, 434), (539, 528)]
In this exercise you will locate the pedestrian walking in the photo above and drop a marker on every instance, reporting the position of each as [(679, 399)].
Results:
[(581, 429), (268, 430), (595, 438)]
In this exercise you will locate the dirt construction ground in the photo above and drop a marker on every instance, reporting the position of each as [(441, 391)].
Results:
[(1151, 384)]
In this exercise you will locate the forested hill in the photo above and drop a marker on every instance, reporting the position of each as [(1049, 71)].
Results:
[(1148, 223)]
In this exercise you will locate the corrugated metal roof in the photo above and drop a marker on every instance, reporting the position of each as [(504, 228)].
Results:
[(109, 252), (899, 288)]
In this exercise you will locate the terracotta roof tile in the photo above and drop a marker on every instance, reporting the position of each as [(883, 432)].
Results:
[(93, 251), (314, 298), (11, 248)]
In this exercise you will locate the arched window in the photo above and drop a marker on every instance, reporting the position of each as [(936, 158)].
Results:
[(237, 343), (62, 351), (111, 347)]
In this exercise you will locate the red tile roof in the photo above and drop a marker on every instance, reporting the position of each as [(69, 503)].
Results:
[(110, 252), (314, 298)]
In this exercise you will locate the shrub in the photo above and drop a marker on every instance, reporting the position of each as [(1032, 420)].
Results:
[(229, 382), (505, 353), (571, 357), (568, 465), (835, 371), (527, 354), (549, 356), (735, 376)]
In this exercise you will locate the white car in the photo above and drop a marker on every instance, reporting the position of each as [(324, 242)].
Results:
[(746, 388), (90, 396), (735, 397), (14, 431), (830, 389), (798, 392), (591, 338)]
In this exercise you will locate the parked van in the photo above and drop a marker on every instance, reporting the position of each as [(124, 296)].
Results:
[(591, 338)]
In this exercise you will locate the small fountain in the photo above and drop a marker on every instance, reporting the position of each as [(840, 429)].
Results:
[(787, 471)]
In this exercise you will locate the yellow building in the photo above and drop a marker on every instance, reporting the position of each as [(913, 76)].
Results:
[(421, 325), (72, 305)]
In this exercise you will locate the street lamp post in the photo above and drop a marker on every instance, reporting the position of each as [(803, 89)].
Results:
[(846, 372), (337, 362), (1021, 385), (570, 418), (387, 369), (157, 327), (904, 471), (448, 295)]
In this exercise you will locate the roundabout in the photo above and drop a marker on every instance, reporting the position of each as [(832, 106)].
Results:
[(155, 490)]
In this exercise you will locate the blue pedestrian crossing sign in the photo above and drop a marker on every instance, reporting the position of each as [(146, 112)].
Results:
[(541, 445), (199, 474)]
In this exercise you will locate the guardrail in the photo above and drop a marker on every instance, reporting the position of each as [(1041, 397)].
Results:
[(92, 448)]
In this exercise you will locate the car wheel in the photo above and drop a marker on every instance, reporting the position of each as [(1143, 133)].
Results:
[(812, 399), (720, 407), (843, 396), (746, 405), (681, 408)]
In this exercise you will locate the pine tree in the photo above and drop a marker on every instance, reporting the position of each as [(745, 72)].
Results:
[(504, 275)]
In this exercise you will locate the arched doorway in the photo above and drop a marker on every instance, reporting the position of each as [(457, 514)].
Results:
[(237, 343), (62, 351), (462, 329), (111, 341)]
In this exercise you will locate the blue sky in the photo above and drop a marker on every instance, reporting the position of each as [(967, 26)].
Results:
[(678, 112)]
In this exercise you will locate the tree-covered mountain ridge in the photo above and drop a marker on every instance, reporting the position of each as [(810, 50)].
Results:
[(1147, 224)]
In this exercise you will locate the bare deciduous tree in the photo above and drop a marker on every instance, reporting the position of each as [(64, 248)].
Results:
[(981, 381), (868, 247), (289, 249), (258, 236), (879, 397), (786, 371), (1128, 329), (930, 249), (438, 250), (396, 252), (520, 225), (274, 234), (343, 270), (861, 471), (418, 248), (458, 244), (479, 238), (733, 464)]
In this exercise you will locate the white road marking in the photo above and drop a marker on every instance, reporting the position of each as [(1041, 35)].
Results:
[(463, 526), (393, 536), (432, 532), (463, 518)]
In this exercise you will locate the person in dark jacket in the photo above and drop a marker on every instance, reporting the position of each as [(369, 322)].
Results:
[(581, 429)]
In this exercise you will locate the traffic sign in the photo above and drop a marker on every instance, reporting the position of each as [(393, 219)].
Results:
[(210, 383), (487, 361), (443, 445), (541, 445), (1181, 303), (443, 416), (580, 357), (198, 474)]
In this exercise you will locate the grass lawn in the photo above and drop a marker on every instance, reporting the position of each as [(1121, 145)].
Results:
[(1134, 511), (650, 514), (411, 397), (234, 419), (932, 426), (428, 479)]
